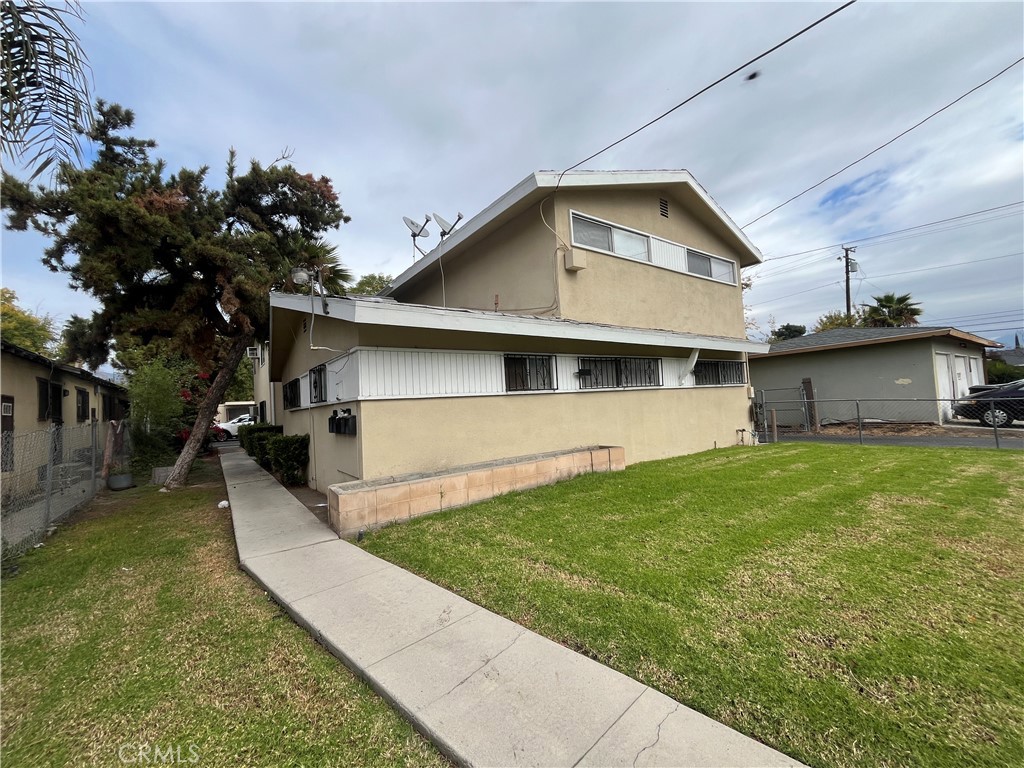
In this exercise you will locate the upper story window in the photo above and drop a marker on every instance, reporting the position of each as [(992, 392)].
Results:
[(615, 372), (719, 373), (529, 373), (706, 265), (618, 241), (605, 237)]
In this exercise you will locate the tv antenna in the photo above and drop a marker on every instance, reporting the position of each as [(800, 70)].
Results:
[(446, 228), (418, 230)]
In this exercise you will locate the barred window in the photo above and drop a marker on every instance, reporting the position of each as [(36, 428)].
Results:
[(291, 394), (719, 373), (613, 372), (318, 384), (529, 373)]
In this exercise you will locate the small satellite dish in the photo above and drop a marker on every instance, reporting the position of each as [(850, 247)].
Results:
[(418, 230), (446, 228)]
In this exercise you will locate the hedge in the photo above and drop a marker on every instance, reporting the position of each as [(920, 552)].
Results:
[(289, 455), (247, 431)]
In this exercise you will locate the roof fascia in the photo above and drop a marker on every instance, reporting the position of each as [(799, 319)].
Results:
[(885, 340), (435, 318)]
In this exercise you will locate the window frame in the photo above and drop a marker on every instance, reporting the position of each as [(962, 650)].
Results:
[(318, 380), (528, 359), (719, 368), (291, 394), (734, 266), (81, 405), (619, 362)]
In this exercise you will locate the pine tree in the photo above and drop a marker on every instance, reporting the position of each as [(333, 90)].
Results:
[(170, 258)]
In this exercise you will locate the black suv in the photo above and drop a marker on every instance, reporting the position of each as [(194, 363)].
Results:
[(993, 406)]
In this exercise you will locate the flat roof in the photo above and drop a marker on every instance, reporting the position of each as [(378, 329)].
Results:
[(388, 312)]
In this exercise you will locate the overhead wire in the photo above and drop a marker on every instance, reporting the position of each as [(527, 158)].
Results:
[(886, 144), (895, 231), (704, 90)]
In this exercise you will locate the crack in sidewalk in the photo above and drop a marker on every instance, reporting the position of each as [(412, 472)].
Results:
[(487, 661), (657, 736)]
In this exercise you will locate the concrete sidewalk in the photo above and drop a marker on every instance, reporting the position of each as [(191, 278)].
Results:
[(486, 691)]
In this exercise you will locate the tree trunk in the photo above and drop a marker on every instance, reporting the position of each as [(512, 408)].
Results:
[(207, 410)]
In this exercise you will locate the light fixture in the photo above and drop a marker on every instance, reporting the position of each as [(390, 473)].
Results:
[(302, 276)]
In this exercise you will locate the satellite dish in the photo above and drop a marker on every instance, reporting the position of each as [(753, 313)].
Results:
[(418, 230), (446, 228)]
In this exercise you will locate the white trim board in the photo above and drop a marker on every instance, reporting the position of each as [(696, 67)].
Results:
[(390, 313)]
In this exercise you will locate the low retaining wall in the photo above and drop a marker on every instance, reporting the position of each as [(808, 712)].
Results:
[(362, 505)]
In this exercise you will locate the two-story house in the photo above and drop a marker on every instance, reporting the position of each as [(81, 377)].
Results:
[(595, 308)]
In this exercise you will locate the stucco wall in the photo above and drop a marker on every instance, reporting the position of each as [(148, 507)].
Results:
[(621, 291), (893, 370), (516, 262), (401, 436)]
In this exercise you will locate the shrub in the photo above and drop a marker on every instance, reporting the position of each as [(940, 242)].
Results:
[(247, 432), (289, 455)]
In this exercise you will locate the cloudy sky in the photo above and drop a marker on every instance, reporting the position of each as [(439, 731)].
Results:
[(420, 108)]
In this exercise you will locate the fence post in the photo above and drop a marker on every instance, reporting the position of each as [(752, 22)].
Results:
[(775, 426), (860, 424), (92, 459), (992, 416), (812, 407), (51, 445)]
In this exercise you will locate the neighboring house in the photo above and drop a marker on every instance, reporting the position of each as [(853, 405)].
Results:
[(608, 312), (38, 392), (1013, 356), (897, 364), (233, 408)]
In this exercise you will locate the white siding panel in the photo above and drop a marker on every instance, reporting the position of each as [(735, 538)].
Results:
[(417, 373), (566, 367), (668, 255)]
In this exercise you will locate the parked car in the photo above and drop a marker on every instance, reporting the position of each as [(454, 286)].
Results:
[(993, 406), (231, 427)]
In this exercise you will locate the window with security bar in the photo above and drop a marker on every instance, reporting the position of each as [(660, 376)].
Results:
[(291, 394), (318, 384), (617, 372), (529, 373), (719, 373)]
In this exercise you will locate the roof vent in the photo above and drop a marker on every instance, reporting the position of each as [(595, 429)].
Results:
[(663, 203)]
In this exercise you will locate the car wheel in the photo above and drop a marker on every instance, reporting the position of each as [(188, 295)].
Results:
[(997, 417), (221, 436)]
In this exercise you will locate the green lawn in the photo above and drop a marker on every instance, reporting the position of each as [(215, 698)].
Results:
[(849, 606), (133, 629)]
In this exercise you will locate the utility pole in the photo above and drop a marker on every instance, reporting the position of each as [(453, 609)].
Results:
[(847, 250)]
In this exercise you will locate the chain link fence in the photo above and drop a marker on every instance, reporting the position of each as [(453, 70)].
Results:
[(47, 475), (867, 420)]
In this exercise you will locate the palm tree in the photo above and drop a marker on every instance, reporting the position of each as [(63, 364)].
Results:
[(892, 311), (45, 89), (323, 256)]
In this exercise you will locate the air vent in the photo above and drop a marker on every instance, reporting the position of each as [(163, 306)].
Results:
[(663, 204)]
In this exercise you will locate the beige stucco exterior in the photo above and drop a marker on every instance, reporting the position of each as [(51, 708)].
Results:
[(516, 263), (522, 263), (19, 376), (400, 436)]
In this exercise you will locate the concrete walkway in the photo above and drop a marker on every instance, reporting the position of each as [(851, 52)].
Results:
[(486, 691)]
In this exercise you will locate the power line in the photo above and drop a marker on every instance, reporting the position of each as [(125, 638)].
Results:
[(896, 231), (705, 89), (946, 266), (788, 295), (886, 144), (893, 274), (979, 317)]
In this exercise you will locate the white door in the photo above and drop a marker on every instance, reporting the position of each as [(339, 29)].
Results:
[(944, 379), (962, 378), (977, 370)]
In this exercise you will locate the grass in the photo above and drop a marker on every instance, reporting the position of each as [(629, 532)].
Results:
[(848, 606), (133, 629)]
